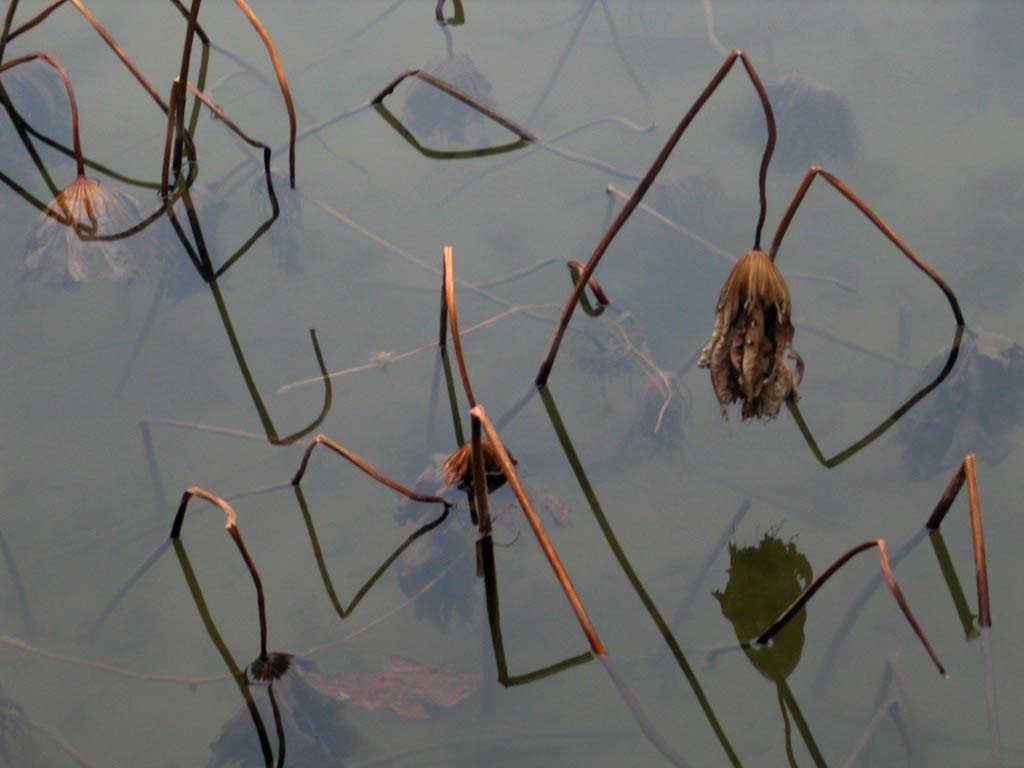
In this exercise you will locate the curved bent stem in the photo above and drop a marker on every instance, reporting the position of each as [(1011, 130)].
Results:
[(79, 158), (875, 219), (449, 309), (281, 79), (882, 428), (237, 674), (325, 576), (231, 526), (817, 584), (968, 470), (437, 154), (359, 462), (648, 180)]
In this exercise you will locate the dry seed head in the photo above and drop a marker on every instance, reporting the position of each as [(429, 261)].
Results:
[(458, 470)]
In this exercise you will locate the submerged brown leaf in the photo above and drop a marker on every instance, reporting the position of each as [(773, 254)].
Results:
[(63, 249), (458, 470), (977, 409), (404, 687), (752, 333)]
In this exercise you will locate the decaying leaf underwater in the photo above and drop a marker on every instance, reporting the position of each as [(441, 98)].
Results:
[(67, 247), (751, 335)]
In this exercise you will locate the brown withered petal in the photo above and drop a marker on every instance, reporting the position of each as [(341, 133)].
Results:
[(61, 251), (458, 470), (751, 335)]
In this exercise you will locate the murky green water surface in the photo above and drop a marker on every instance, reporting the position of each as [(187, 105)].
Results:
[(104, 386)]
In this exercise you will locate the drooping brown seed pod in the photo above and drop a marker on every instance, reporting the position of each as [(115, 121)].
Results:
[(752, 333)]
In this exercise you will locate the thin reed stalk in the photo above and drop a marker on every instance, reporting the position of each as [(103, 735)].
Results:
[(79, 157), (545, 369), (538, 529), (450, 310), (267, 666), (479, 479), (890, 581), (366, 468), (282, 81), (968, 471), (102, 31)]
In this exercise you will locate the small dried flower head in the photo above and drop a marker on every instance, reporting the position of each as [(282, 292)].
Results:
[(752, 332), (63, 250), (270, 667), (430, 111), (458, 470)]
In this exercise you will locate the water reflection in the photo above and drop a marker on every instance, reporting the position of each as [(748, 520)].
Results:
[(763, 581)]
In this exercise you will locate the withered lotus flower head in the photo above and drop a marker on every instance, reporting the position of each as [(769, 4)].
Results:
[(63, 250), (458, 470), (752, 333), (271, 666)]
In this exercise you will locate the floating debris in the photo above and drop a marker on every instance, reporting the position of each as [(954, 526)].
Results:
[(405, 687)]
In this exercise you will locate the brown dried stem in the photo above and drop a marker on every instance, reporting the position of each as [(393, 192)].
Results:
[(79, 157), (107, 38), (231, 526), (538, 529), (223, 117), (361, 464), (648, 180), (282, 81), (968, 471), (483, 511), (449, 309), (875, 219), (12, 7), (890, 581)]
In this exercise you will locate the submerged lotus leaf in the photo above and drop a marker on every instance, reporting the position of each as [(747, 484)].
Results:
[(405, 687), (814, 125), (751, 334), (975, 410), (66, 249), (430, 111), (764, 580), (437, 569)]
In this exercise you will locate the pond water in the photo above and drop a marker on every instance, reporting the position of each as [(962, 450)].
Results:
[(119, 649)]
